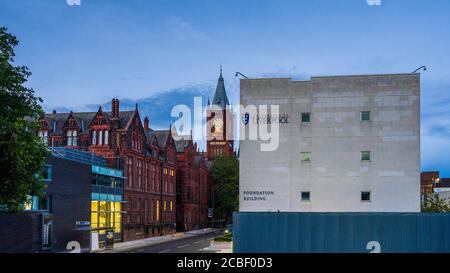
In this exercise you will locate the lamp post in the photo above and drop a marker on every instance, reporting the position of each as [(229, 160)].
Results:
[(239, 73), (423, 67)]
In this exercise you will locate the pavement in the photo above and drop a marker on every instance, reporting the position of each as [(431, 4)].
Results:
[(187, 242)]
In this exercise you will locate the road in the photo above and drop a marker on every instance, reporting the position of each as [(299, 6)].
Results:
[(191, 244)]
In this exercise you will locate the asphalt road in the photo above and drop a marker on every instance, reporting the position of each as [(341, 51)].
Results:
[(191, 244)]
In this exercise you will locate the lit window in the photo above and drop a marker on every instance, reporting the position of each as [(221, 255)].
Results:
[(157, 210), (365, 196), (171, 205), (306, 157), (306, 196), (365, 155), (306, 117), (165, 205), (365, 115)]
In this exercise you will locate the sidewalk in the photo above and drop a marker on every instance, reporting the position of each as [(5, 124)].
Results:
[(154, 240)]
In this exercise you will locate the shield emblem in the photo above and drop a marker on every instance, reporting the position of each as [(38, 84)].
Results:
[(246, 118)]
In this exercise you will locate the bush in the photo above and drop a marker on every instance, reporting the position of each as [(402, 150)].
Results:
[(224, 238)]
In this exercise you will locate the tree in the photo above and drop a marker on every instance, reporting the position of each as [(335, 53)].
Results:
[(225, 174), (22, 153), (434, 204)]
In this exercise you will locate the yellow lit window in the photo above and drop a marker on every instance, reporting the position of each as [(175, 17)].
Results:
[(171, 206), (157, 210), (165, 205), (94, 220)]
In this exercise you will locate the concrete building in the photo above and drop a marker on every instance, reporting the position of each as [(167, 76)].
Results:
[(346, 144)]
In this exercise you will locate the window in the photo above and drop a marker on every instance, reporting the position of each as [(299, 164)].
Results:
[(365, 115), (139, 174), (106, 137), (130, 171), (157, 210), (306, 117), (44, 136), (306, 196), (365, 196), (47, 175), (306, 157), (100, 137), (72, 138), (171, 205), (165, 205), (365, 156), (94, 137)]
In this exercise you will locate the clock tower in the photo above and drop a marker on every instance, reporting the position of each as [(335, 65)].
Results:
[(220, 138)]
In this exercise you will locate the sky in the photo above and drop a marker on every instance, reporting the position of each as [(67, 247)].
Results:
[(89, 53)]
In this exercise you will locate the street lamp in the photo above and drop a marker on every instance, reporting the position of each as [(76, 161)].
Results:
[(435, 181), (424, 68), (239, 73)]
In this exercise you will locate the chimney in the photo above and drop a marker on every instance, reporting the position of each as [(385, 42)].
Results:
[(115, 108), (146, 123)]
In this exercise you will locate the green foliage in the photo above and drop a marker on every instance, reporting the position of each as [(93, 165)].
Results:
[(225, 174), (434, 204), (224, 238), (22, 153)]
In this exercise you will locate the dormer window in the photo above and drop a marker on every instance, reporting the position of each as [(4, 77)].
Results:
[(94, 137), (100, 137), (44, 136), (106, 137), (72, 137)]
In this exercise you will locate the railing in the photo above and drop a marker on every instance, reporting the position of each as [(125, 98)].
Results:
[(79, 156)]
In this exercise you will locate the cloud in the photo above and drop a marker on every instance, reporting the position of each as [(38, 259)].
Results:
[(184, 30)]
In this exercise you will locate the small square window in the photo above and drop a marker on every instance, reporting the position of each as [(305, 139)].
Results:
[(365, 156), (306, 157), (306, 196), (365, 116), (365, 196), (306, 117)]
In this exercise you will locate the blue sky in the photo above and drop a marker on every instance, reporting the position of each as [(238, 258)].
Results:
[(134, 49)]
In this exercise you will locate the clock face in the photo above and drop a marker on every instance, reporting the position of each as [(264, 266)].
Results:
[(217, 125)]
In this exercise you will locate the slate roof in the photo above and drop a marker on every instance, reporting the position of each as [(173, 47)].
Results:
[(220, 96), (57, 120), (181, 145)]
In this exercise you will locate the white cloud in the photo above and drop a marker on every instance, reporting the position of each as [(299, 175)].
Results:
[(184, 30), (73, 2)]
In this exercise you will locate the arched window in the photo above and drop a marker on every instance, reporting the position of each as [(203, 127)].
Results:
[(106, 137), (94, 137), (100, 137)]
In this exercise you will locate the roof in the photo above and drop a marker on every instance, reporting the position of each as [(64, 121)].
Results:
[(180, 145), (161, 136), (220, 96), (57, 120)]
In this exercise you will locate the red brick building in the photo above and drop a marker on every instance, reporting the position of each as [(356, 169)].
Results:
[(432, 182), (194, 184), (147, 157), (220, 127), (193, 187)]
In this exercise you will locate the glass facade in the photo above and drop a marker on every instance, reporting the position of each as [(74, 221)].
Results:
[(106, 215), (106, 200)]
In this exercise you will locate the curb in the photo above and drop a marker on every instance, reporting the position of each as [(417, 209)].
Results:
[(150, 244)]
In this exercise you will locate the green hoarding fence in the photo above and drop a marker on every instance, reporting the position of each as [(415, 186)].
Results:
[(341, 232)]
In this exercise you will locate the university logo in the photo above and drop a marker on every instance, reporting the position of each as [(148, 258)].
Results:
[(246, 118)]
